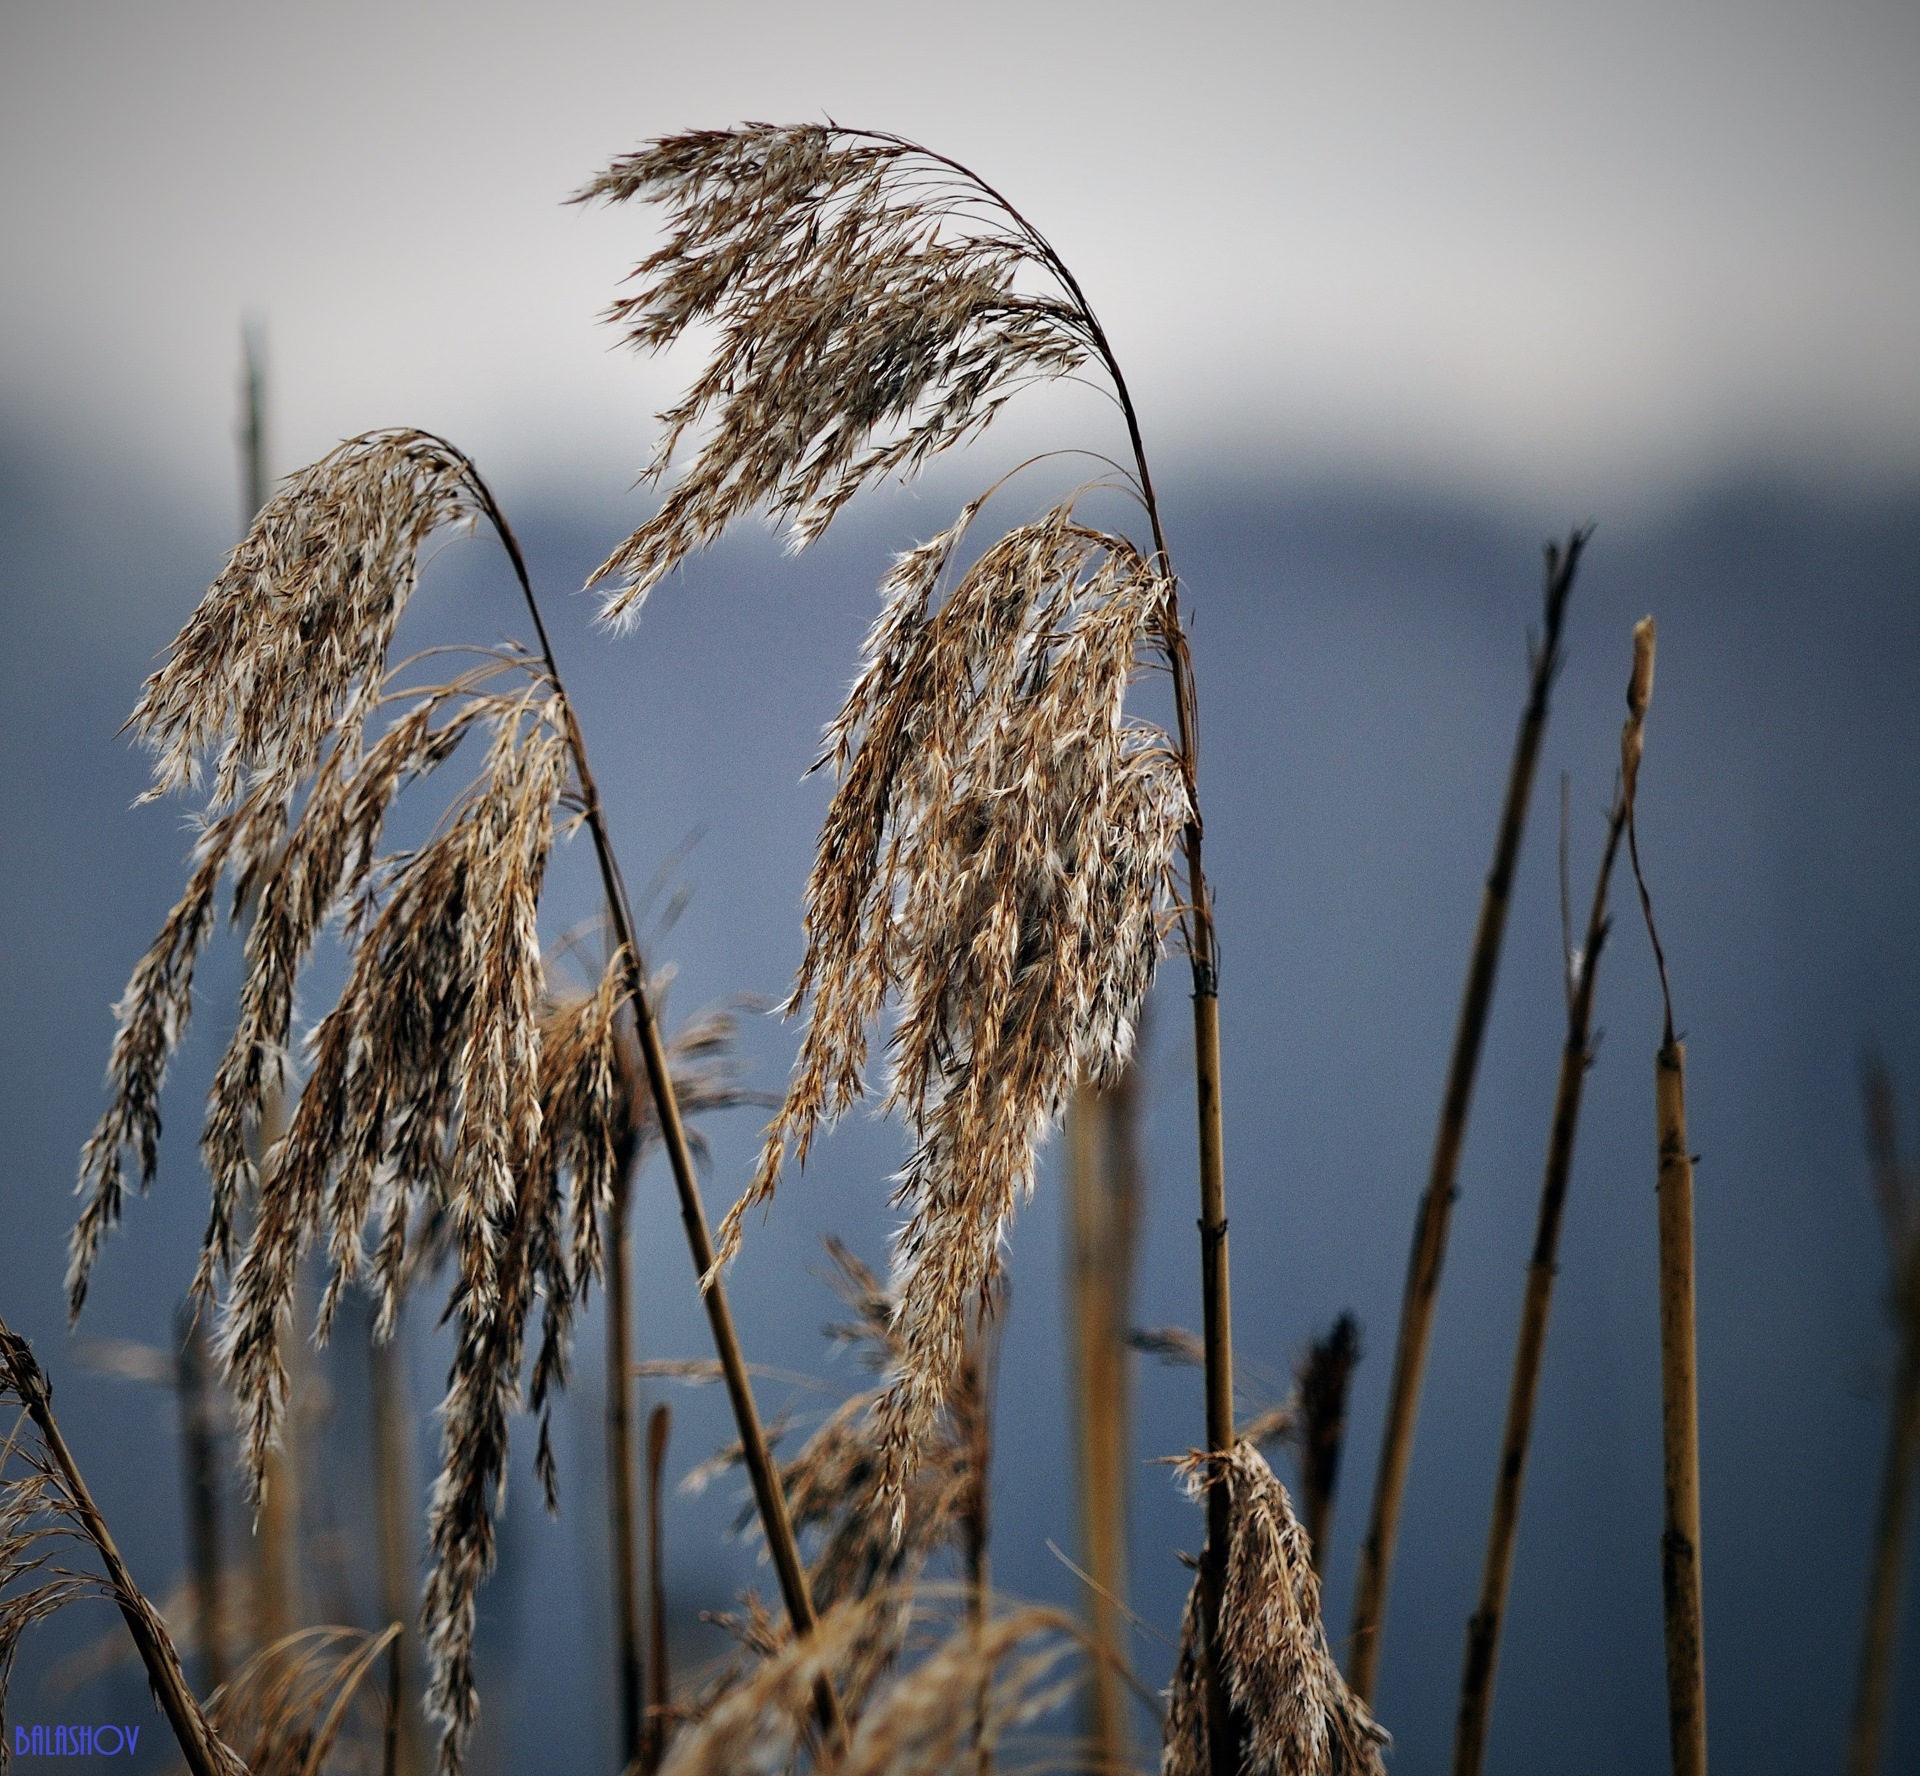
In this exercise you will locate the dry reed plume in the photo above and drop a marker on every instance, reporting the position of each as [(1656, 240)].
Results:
[(45, 1510), (1422, 1291), (1896, 1184), (1295, 1714), (447, 1094), (997, 855)]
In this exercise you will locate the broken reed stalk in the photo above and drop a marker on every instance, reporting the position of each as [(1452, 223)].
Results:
[(1576, 1055), (1679, 1385), (1321, 1385), (1103, 1209), (1898, 1189), (199, 1744), (1422, 1290), (756, 1453), (659, 1672), (393, 1504), (201, 1483), (620, 1476)]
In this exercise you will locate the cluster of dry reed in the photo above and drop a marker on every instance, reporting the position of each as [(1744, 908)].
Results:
[(1008, 853)]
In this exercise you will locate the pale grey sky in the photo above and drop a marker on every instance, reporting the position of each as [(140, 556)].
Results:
[(1572, 251)]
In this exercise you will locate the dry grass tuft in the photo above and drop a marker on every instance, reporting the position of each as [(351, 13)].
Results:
[(1296, 1715), (974, 1684), (290, 1707)]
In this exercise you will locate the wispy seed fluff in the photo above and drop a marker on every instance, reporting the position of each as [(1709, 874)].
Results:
[(447, 1102), (863, 304), (995, 865), (1299, 1718)]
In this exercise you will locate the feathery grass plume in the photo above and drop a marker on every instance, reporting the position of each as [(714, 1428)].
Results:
[(872, 303), (1576, 1055), (1320, 1388), (1679, 1387), (866, 317), (1422, 1291), (1896, 1184), (1296, 1715), (996, 861), (290, 1707), (923, 1722), (45, 1507), (442, 1090)]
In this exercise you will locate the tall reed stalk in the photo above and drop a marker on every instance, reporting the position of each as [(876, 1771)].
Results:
[(1422, 1290), (1576, 1056), (659, 1668), (1103, 1215), (399, 1580), (1679, 1385), (621, 1492), (201, 1747), (201, 1482), (1897, 1186)]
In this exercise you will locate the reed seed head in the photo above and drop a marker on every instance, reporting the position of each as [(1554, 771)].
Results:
[(1300, 1718), (996, 866), (866, 315)]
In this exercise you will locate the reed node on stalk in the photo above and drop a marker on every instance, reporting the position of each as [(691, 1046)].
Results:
[(996, 862), (1679, 1386), (1422, 1291), (1576, 1056), (441, 1105), (1896, 1185)]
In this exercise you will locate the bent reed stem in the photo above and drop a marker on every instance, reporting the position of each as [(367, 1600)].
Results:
[(200, 1745), (1422, 1291), (1483, 1630), (757, 1456)]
